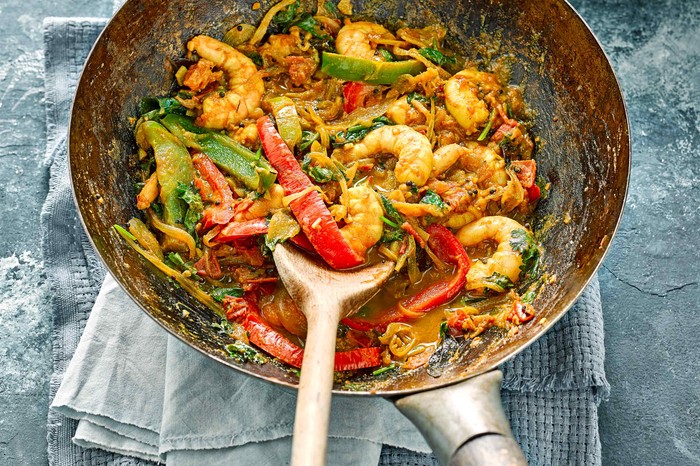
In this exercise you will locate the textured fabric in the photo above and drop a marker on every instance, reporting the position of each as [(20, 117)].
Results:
[(550, 391)]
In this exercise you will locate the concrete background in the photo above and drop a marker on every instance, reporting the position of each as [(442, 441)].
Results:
[(649, 281)]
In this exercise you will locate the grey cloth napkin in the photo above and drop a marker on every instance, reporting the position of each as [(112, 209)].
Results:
[(125, 366)]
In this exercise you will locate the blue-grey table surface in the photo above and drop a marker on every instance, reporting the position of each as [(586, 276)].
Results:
[(649, 281)]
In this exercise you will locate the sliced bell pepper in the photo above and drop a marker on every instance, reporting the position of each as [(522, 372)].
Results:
[(288, 123), (223, 212), (262, 335), (173, 166), (238, 230), (354, 95), (533, 193), (233, 158), (448, 248), (310, 211), (368, 71)]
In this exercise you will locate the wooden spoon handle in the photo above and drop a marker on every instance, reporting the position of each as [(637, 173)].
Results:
[(315, 386)]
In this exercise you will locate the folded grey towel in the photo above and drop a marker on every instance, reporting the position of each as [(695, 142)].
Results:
[(550, 392)]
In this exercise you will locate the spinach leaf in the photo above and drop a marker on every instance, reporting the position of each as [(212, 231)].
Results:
[(307, 138), (419, 97), (390, 235), (500, 281), (437, 57), (386, 55), (542, 183), (224, 327), (220, 293), (176, 259), (286, 17), (319, 174), (391, 211), (529, 297), (523, 242), (187, 193), (358, 132), (433, 198), (159, 106), (310, 25)]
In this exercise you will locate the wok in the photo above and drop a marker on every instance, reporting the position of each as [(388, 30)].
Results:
[(584, 151)]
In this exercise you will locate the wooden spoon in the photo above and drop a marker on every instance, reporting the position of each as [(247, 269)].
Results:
[(325, 296)]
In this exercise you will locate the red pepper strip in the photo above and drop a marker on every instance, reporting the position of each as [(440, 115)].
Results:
[(354, 94), (222, 213), (238, 230), (310, 211), (262, 335), (448, 248), (303, 242), (526, 171)]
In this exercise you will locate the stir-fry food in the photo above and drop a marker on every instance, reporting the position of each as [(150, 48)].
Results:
[(357, 144)]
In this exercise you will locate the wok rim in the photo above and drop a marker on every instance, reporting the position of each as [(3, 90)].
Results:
[(492, 365)]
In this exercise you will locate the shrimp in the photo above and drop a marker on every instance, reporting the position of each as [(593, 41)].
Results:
[(478, 159), (403, 113), (262, 206), (412, 149), (245, 84), (364, 224), (505, 261), (355, 39), (462, 98)]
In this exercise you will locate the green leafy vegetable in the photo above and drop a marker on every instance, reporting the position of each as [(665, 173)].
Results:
[(176, 259), (124, 232), (444, 330), (523, 242), (500, 281), (159, 106), (433, 198), (290, 16), (386, 55), (358, 132), (241, 352), (419, 97), (389, 235), (529, 297), (542, 183), (383, 370), (307, 138), (255, 58), (319, 174), (437, 57), (389, 222), (220, 293), (189, 194), (390, 210), (286, 17), (224, 327), (310, 25), (331, 9)]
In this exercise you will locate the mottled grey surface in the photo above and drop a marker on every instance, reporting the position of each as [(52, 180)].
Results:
[(649, 281)]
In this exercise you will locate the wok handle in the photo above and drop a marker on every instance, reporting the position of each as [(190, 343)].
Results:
[(465, 424)]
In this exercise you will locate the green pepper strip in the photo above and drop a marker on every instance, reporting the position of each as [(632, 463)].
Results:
[(173, 166), (252, 169), (287, 119), (368, 71)]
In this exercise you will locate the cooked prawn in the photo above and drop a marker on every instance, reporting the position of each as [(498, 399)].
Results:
[(245, 84), (403, 113), (462, 98), (262, 206), (478, 159), (505, 261), (412, 149), (364, 224), (355, 39)]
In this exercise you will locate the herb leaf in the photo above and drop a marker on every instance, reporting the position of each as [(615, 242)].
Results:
[(224, 327), (542, 183), (419, 97), (383, 370), (390, 210), (523, 242), (358, 132), (220, 293), (307, 138), (386, 55), (437, 57), (187, 193), (500, 281), (161, 106), (286, 17), (433, 198), (319, 174)]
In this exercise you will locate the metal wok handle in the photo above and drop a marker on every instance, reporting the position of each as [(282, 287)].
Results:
[(465, 424)]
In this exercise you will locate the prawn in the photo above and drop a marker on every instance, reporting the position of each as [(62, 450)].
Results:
[(462, 98), (262, 206), (245, 84), (412, 149), (355, 39), (489, 167), (505, 261), (403, 113), (364, 224)]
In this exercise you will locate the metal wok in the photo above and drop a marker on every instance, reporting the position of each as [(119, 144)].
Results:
[(584, 152)]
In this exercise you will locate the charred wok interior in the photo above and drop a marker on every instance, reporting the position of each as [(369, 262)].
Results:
[(577, 114)]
